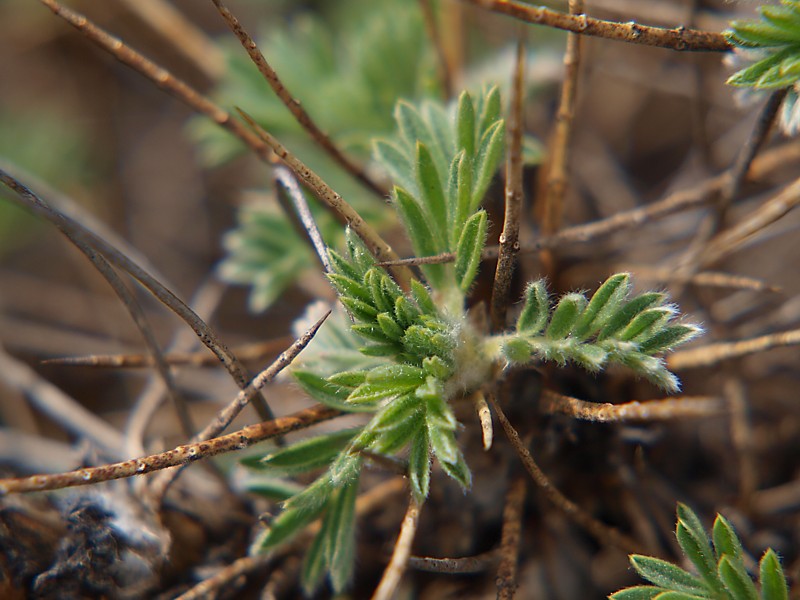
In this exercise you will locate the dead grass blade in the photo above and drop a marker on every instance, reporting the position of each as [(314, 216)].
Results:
[(712, 354), (402, 551)]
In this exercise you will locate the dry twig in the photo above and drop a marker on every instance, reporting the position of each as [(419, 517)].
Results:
[(711, 354), (402, 551), (509, 544), (680, 38)]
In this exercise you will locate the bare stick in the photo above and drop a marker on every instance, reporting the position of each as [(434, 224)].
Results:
[(467, 564), (123, 293), (651, 410), (179, 456), (509, 544), (742, 440), (183, 35), (702, 193), (602, 532), (711, 354), (254, 351), (294, 106), (287, 182), (263, 144), (229, 413), (402, 551), (57, 405), (768, 213), (36, 205), (556, 185), (509, 239), (680, 38)]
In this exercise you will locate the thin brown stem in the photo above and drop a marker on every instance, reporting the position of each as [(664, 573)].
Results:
[(602, 532), (402, 551), (229, 413), (509, 238), (679, 38), (651, 410), (37, 206), (263, 144), (467, 564), (179, 456), (125, 296), (294, 106), (556, 185), (510, 538), (712, 354), (742, 440)]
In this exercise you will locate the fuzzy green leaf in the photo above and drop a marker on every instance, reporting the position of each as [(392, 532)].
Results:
[(405, 311), (306, 455), (348, 287), (314, 562), (432, 196), (443, 443), (517, 350), (343, 267), (371, 393), (419, 231), (623, 317), (668, 338), (565, 316), (372, 332), (605, 302), (486, 161), (666, 575), (326, 392), (423, 298), (396, 162), (360, 310), (647, 323), (773, 581), (419, 465), (340, 535), (465, 124), (469, 249), (286, 525), (389, 326), (639, 592), (695, 545), (350, 379), (536, 310), (490, 108), (725, 539), (274, 488), (379, 297), (458, 470), (462, 195), (737, 582), (436, 367)]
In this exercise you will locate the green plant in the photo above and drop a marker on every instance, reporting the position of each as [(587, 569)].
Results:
[(721, 572), (429, 355), (770, 47)]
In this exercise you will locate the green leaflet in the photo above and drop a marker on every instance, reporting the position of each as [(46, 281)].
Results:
[(737, 581), (773, 581), (469, 249), (486, 161), (725, 539), (327, 392), (340, 535), (306, 455), (536, 311), (433, 197), (666, 575)]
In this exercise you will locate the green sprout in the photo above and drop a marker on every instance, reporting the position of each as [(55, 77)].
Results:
[(719, 562), (424, 354)]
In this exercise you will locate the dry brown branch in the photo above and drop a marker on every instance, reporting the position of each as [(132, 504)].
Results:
[(511, 535), (651, 410), (262, 144), (711, 354), (229, 413), (558, 158), (37, 206), (751, 225), (716, 279), (509, 238), (467, 564), (402, 551), (255, 351), (179, 456), (182, 35), (679, 38), (294, 106), (126, 297), (602, 532)]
